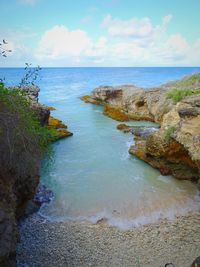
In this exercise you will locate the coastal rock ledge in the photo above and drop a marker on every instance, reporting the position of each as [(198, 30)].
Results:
[(175, 148)]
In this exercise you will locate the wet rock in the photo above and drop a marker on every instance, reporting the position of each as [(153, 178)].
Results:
[(142, 131), (43, 195)]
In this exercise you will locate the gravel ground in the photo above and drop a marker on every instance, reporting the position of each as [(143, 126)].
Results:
[(49, 244)]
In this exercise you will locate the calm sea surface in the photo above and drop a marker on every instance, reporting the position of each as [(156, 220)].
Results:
[(91, 173)]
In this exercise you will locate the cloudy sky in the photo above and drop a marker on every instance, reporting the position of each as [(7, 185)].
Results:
[(101, 32)]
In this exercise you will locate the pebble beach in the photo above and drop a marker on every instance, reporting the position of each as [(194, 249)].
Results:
[(49, 244)]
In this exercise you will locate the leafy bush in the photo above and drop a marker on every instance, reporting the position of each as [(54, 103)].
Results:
[(23, 140), (178, 94)]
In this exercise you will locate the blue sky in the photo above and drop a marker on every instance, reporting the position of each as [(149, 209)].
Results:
[(101, 32)]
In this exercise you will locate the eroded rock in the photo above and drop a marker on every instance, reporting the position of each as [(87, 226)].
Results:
[(175, 147)]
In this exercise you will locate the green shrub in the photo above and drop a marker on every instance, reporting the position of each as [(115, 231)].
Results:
[(189, 80), (178, 94), (168, 133), (23, 141)]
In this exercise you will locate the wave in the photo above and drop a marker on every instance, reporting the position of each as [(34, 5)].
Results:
[(113, 219)]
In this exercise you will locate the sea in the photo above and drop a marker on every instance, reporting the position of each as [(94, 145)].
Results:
[(92, 175)]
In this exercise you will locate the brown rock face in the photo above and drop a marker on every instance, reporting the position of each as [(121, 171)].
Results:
[(14, 195), (170, 159), (16, 190)]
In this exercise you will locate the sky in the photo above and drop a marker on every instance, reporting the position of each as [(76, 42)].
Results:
[(100, 33)]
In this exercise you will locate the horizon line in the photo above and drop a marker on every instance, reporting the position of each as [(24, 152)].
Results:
[(51, 67)]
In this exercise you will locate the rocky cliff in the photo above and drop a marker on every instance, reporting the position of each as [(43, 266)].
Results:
[(173, 149), (17, 189)]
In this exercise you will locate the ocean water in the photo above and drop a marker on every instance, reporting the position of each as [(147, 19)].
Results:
[(91, 174)]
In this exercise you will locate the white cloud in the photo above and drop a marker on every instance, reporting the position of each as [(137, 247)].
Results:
[(148, 46), (59, 41), (177, 43), (144, 45), (128, 28), (134, 27)]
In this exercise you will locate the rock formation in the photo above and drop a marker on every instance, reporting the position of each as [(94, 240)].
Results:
[(175, 147), (16, 191)]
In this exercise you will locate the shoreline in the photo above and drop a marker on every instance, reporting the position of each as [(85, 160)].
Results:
[(45, 243)]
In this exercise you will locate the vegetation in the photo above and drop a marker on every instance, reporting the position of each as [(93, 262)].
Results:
[(178, 94), (189, 80), (85, 98), (168, 133), (115, 113), (55, 123), (31, 75), (23, 140)]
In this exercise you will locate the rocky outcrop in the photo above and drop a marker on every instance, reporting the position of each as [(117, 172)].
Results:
[(41, 111), (175, 147), (141, 103), (141, 131), (16, 191)]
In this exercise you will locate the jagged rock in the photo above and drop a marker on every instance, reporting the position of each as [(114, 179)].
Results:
[(42, 112), (32, 91)]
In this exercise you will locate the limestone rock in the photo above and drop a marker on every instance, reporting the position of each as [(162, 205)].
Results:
[(175, 147)]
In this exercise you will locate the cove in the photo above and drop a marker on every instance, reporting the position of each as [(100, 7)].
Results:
[(91, 173)]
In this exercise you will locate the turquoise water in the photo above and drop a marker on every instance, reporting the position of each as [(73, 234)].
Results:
[(91, 173)]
